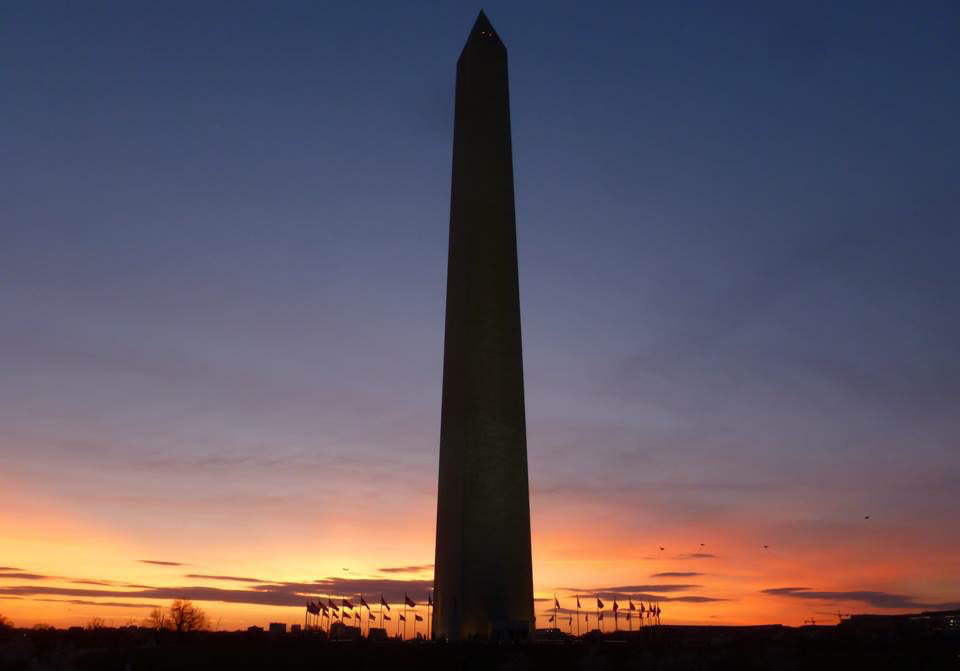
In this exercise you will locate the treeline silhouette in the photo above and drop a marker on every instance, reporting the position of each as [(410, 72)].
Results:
[(146, 648)]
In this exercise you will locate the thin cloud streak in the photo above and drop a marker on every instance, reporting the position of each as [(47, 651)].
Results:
[(157, 562), (229, 578), (15, 575), (627, 589), (407, 569), (111, 604), (272, 594), (873, 598)]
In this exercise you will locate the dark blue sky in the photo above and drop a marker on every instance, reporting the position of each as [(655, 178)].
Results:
[(223, 234)]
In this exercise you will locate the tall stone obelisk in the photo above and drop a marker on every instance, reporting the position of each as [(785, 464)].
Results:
[(483, 578)]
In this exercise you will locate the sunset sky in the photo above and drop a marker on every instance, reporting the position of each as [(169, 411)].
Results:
[(223, 238)]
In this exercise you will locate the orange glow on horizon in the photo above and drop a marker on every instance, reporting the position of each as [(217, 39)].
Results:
[(54, 554)]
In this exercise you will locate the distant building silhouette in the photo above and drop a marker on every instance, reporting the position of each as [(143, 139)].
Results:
[(377, 634), (483, 578), (344, 632), (931, 620)]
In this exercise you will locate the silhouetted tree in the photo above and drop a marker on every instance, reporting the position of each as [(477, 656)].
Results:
[(157, 619), (5, 623), (184, 616), (96, 623)]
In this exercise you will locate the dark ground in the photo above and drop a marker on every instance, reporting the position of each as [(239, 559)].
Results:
[(672, 648)]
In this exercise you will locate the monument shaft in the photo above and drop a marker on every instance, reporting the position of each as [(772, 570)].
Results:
[(483, 584)]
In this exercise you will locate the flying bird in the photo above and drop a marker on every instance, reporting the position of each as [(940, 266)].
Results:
[(765, 547), (866, 517), (661, 549)]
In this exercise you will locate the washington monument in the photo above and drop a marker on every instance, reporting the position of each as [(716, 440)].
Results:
[(483, 578)]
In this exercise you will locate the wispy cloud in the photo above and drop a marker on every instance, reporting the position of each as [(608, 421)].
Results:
[(102, 583), (157, 562), (230, 578), (111, 604), (19, 575), (873, 598), (696, 555), (268, 594), (630, 589), (407, 569), (675, 574)]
